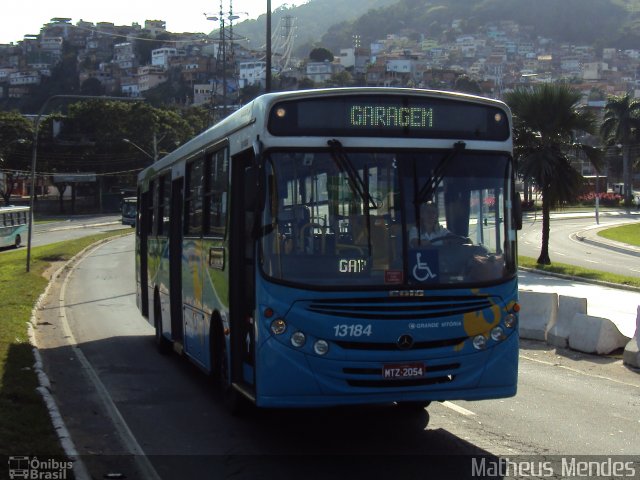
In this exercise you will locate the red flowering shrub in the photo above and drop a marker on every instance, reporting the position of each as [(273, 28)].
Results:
[(606, 199)]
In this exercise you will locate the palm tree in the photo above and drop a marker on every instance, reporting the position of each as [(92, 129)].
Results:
[(546, 119), (621, 123)]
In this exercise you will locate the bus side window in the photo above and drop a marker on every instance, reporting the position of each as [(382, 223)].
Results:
[(216, 187), (150, 207), (194, 197)]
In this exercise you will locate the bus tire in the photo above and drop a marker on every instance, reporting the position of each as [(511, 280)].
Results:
[(233, 400), (18, 241), (162, 344)]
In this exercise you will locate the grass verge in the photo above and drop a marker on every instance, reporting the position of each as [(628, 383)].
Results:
[(25, 426), (626, 234), (579, 272)]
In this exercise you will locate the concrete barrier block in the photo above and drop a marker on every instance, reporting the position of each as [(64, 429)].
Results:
[(631, 355), (538, 311), (595, 335), (558, 333)]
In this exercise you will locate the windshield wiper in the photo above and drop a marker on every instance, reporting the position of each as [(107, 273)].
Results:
[(344, 164), (429, 188)]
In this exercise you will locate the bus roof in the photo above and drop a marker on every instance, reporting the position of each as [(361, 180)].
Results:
[(259, 108), (13, 208)]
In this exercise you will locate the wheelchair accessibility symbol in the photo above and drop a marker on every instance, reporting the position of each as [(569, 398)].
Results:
[(425, 270)]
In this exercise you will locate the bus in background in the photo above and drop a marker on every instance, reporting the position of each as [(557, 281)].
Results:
[(14, 222), (283, 249), (129, 211)]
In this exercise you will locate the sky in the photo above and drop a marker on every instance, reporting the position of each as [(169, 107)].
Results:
[(27, 17)]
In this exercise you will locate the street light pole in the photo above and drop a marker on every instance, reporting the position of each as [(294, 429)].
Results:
[(35, 152), (153, 157), (267, 83)]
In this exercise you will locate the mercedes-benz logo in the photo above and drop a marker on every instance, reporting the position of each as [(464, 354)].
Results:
[(405, 342)]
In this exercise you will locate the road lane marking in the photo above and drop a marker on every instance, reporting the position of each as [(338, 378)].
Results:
[(459, 409), (544, 362), (124, 432)]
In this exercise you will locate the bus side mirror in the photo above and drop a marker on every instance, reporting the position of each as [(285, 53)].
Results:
[(517, 211)]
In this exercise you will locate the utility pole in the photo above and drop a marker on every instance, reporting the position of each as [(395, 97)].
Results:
[(268, 52), (223, 56)]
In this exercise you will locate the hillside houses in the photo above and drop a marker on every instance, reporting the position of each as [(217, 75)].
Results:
[(130, 60)]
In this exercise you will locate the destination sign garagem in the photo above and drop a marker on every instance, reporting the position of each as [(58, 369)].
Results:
[(391, 116), (368, 116)]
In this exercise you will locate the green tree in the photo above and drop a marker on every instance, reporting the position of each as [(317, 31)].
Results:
[(197, 118), (16, 133), (466, 84), (546, 119), (341, 79), (321, 54), (92, 139), (306, 84), (92, 86), (621, 126)]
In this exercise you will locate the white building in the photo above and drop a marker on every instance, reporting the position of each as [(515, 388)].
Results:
[(252, 73), (202, 93), (319, 72), (129, 87), (160, 57), (347, 57), (399, 65), (124, 56), (28, 77), (150, 77), (593, 70)]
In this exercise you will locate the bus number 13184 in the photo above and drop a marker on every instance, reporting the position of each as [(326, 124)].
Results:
[(357, 330)]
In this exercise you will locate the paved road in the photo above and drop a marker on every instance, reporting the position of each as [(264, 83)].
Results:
[(125, 398), (574, 240)]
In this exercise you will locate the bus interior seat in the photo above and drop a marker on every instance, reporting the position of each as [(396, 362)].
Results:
[(291, 220)]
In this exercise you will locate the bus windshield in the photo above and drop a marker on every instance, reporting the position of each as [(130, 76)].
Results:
[(375, 219)]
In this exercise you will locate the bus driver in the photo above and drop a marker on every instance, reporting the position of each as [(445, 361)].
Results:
[(430, 229)]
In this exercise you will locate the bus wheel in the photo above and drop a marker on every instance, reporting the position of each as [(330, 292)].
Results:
[(162, 344), (233, 400), (18, 241)]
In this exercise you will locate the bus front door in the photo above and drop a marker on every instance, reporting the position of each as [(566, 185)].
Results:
[(142, 232), (175, 254)]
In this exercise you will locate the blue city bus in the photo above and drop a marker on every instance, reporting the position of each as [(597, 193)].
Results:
[(281, 250), (129, 211), (13, 225)]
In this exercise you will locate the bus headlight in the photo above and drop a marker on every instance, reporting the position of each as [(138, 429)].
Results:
[(497, 334), (321, 347), (510, 320), (298, 339), (278, 326), (479, 342)]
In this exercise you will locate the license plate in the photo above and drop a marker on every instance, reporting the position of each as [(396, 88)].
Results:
[(403, 370)]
